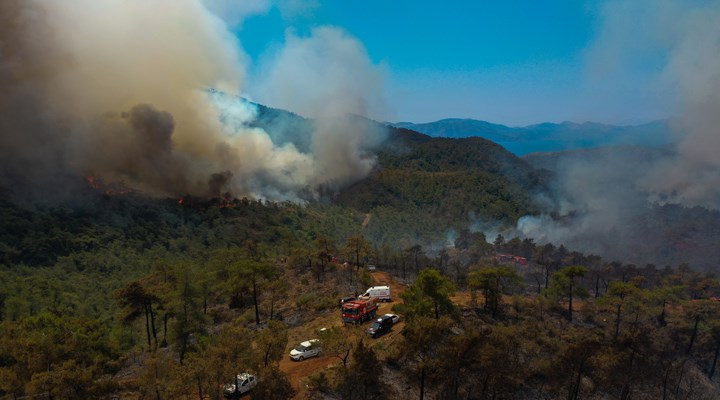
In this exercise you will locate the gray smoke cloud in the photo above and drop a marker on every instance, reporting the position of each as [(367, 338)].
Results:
[(694, 177), (328, 76), (596, 202), (603, 204), (686, 36), (120, 90)]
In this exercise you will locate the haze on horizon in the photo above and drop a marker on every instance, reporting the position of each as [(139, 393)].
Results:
[(514, 63)]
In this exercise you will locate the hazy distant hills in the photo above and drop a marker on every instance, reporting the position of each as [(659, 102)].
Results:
[(558, 160), (548, 136)]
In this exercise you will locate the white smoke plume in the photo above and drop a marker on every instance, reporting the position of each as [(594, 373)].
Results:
[(606, 204), (685, 33), (120, 90), (329, 77)]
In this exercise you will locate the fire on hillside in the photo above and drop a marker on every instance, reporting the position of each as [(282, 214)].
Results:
[(107, 188), (226, 201)]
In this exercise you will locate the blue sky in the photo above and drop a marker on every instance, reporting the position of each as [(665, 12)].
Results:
[(516, 62)]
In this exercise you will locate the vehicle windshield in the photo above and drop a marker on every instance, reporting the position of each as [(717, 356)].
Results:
[(352, 311), (375, 325), (301, 348)]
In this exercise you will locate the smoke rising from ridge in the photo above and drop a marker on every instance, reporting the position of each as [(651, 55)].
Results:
[(329, 76), (120, 89), (610, 204), (686, 34)]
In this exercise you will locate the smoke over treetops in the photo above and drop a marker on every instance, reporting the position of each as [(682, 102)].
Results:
[(148, 94), (624, 202)]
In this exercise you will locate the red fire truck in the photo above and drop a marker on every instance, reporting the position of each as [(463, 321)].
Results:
[(359, 311)]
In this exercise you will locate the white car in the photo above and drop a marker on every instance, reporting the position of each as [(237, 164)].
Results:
[(243, 383), (394, 317), (307, 349)]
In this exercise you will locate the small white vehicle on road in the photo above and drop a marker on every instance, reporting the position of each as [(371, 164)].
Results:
[(394, 317), (307, 349), (244, 382)]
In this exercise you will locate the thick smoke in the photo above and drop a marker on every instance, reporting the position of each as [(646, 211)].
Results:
[(146, 93), (329, 77), (607, 204), (694, 177), (596, 201), (685, 35)]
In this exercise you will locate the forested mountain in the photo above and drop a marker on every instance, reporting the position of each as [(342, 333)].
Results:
[(424, 187), (121, 295), (548, 137)]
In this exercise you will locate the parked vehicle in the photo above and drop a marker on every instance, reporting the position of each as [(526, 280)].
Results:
[(394, 317), (359, 311), (244, 382), (307, 349), (381, 326), (346, 299), (381, 293), (371, 267)]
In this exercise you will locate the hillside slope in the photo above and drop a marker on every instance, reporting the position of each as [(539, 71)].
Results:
[(426, 187)]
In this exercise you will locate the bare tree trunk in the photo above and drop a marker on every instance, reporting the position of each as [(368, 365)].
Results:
[(547, 275), (152, 325), (165, 324), (715, 357), (694, 335), (661, 317), (147, 327), (272, 307), (665, 381), (570, 296), (183, 347), (255, 300), (597, 285)]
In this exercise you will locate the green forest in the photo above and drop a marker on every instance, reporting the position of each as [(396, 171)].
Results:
[(125, 296), (164, 236)]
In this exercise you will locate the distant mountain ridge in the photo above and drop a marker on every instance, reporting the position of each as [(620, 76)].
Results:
[(548, 136)]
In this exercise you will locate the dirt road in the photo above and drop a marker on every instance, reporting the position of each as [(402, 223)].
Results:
[(298, 371)]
